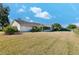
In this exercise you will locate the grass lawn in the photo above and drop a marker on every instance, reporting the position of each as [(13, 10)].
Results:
[(47, 43)]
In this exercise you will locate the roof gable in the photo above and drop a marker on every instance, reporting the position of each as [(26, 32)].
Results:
[(28, 24)]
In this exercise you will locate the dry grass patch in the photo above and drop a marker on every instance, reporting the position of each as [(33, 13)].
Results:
[(58, 43)]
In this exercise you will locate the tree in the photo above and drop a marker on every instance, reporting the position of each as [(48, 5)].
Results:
[(10, 30), (37, 29), (56, 27), (4, 12), (71, 26)]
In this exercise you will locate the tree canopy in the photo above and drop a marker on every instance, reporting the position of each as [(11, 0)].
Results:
[(4, 13), (56, 26), (71, 26)]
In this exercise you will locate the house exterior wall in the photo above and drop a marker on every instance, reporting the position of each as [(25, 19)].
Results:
[(15, 24), (23, 28)]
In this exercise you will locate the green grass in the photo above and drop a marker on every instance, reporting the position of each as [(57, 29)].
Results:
[(40, 43)]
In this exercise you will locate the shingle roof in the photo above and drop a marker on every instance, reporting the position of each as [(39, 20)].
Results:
[(28, 24)]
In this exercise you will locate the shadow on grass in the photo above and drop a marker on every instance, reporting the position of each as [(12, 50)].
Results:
[(17, 33)]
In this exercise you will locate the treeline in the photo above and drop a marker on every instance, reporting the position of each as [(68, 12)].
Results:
[(54, 27)]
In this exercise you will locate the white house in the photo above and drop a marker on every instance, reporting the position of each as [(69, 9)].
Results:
[(23, 25)]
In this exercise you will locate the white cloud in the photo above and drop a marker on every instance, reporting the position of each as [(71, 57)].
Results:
[(27, 17), (9, 16), (76, 23), (22, 9), (39, 13), (36, 9), (31, 21), (44, 15)]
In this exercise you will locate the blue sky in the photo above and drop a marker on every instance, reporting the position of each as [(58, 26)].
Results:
[(45, 13)]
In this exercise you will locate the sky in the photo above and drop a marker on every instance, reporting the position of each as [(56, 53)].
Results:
[(45, 13)]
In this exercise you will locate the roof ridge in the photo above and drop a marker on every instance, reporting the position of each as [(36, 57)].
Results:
[(25, 23)]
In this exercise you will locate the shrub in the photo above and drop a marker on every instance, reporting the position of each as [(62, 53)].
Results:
[(56, 27), (10, 30), (65, 29), (71, 26), (34, 29), (37, 29)]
